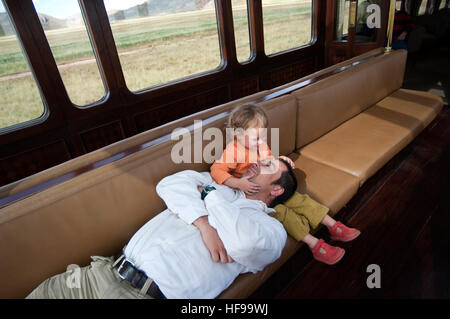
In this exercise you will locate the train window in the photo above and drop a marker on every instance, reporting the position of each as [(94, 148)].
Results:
[(69, 41), (423, 7), (398, 5), (241, 29), (342, 18), (163, 41), (431, 6), (20, 99), (290, 18)]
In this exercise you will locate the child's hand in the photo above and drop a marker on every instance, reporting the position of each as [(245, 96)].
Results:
[(248, 187), (287, 159), (252, 171)]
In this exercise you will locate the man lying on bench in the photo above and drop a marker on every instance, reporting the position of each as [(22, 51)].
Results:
[(176, 254)]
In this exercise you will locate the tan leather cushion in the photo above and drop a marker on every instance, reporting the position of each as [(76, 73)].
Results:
[(282, 114), (324, 105), (330, 68), (363, 144), (325, 184), (419, 105)]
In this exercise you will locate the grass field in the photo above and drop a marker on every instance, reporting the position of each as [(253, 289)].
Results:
[(152, 50)]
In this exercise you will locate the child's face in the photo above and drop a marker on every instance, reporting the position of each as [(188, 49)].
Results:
[(251, 138)]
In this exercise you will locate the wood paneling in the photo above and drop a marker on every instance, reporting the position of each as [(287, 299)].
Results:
[(178, 109), (102, 136), (21, 165), (287, 74), (244, 87)]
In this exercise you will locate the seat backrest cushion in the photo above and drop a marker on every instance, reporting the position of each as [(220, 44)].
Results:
[(324, 105)]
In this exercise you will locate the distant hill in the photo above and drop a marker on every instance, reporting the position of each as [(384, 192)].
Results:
[(48, 23), (148, 8), (51, 23), (5, 26), (158, 7)]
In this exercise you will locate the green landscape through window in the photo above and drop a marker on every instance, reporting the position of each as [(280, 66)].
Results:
[(241, 29), (162, 41), (290, 18), (20, 98), (69, 41)]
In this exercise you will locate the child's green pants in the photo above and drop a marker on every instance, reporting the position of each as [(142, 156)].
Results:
[(299, 214)]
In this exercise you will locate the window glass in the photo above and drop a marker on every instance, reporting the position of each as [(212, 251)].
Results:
[(20, 100), (162, 41), (423, 7), (398, 5), (69, 41), (241, 29), (431, 6), (290, 18), (342, 17), (442, 4)]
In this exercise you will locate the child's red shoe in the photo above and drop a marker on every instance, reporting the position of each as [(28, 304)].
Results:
[(327, 254), (343, 233)]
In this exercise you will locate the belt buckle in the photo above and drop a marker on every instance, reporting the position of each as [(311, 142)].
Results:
[(121, 266)]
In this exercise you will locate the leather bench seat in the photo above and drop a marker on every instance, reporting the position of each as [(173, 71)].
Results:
[(363, 144), (331, 68), (330, 186), (419, 105), (338, 131), (325, 105), (96, 213)]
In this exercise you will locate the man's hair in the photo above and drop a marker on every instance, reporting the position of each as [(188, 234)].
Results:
[(288, 181), (247, 115)]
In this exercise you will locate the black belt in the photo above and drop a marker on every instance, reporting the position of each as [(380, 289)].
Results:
[(136, 277)]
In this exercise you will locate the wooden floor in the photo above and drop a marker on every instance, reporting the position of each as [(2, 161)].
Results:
[(404, 214)]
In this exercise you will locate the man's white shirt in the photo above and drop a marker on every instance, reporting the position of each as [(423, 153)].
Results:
[(170, 250)]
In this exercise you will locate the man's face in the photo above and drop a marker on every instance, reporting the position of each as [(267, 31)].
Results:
[(267, 174)]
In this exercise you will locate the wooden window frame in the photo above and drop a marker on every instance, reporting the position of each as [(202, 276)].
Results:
[(118, 98)]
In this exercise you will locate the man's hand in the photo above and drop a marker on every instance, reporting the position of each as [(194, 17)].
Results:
[(212, 240)]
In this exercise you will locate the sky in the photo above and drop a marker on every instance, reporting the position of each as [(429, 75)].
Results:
[(62, 9)]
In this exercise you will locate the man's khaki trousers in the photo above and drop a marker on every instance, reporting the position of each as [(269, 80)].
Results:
[(99, 280)]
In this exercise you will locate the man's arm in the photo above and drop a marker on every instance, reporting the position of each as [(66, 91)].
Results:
[(250, 236), (212, 241), (180, 193)]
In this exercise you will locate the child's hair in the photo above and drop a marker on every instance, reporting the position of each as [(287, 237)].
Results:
[(246, 116)]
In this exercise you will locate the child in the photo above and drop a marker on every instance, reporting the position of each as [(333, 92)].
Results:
[(239, 163)]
